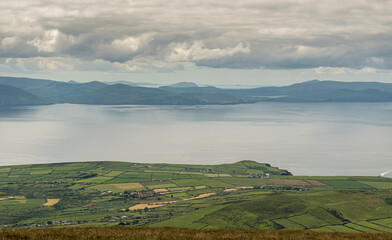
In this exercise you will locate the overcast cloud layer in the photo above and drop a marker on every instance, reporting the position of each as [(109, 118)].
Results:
[(159, 36)]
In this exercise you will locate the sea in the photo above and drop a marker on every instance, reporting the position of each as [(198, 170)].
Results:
[(304, 138)]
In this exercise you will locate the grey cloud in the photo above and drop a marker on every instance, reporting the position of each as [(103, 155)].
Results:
[(284, 34), (15, 47)]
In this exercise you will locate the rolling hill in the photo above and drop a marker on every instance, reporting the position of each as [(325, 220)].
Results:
[(316, 90), (310, 91), (11, 96), (183, 85), (124, 94), (53, 91)]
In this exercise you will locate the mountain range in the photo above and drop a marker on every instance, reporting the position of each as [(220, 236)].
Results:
[(10, 96), (49, 91), (27, 91)]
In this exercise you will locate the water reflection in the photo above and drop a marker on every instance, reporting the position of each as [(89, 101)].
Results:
[(306, 138)]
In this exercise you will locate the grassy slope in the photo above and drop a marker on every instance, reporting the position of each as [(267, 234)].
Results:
[(119, 233)]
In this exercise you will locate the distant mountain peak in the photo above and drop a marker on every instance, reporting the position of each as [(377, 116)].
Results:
[(72, 82), (313, 81), (132, 84), (183, 85)]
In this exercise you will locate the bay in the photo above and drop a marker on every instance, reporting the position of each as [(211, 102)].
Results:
[(305, 138)]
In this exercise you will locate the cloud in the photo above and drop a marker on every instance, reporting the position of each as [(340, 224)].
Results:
[(51, 41), (183, 52), (343, 70), (330, 70), (153, 34)]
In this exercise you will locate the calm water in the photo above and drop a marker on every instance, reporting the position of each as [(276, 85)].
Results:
[(305, 138)]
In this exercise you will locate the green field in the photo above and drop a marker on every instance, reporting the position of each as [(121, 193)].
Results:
[(346, 184), (379, 185), (238, 195)]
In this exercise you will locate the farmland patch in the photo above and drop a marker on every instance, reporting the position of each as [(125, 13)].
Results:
[(379, 185), (343, 184), (289, 182), (51, 202)]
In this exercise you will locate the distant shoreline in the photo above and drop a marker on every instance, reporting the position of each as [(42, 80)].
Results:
[(27, 91)]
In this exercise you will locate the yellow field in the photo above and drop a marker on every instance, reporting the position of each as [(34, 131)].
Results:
[(5, 169), (160, 204), (200, 196), (230, 190), (119, 187), (127, 186), (51, 202), (143, 206)]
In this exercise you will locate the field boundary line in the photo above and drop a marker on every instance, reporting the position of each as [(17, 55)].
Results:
[(354, 228), (379, 224), (369, 227)]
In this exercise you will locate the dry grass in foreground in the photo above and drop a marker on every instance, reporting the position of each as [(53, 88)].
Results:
[(170, 233)]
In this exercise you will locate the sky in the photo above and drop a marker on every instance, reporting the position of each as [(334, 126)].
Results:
[(250, 42)]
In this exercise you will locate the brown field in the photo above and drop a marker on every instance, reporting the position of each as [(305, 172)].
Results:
[(161, 190), (19, 197), (90, 205), (51, 202), (96, 203), (5, 169), (170, 233), (296, 182), (127, 186), (316, 183)]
